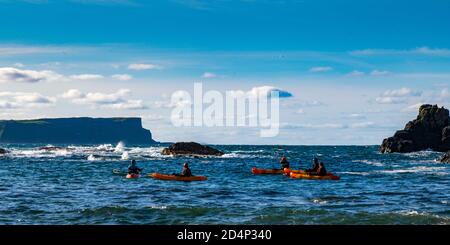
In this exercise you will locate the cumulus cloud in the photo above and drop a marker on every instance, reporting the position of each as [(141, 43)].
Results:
[(320, 69), (87, 77), (209, 75), (267, 90), (142, 66), (122, 77), (116, 100), (17, 100), (11, 74), (397, 96)]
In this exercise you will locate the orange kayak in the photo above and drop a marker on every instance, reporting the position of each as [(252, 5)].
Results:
[(329, 176), (287, 171), (266, 171), (178, 178), (133, 176)]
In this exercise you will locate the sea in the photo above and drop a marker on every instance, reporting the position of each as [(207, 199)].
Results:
[(76, 185)]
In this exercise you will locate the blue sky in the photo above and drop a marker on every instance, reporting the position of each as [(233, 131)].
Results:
[(357, 69)]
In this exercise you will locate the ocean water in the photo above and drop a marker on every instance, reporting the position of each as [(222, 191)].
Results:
[(76, 186)]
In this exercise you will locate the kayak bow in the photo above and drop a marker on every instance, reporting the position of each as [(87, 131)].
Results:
[(329, 176), (266, 171), (133, 176)]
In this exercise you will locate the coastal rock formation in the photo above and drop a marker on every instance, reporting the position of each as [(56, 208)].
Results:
[(3, 151), (446, 157), (191, 148), (51, 148), (82, 130), (430, 130)]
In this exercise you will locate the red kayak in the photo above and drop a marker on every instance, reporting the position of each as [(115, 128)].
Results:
[(266, 171)]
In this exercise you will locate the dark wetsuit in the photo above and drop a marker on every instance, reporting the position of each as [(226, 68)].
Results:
[(186, 172), (284, 163), (321, 171), (134, 169), (314, 168)]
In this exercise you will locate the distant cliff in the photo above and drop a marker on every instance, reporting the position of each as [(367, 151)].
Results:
[(81, 130)]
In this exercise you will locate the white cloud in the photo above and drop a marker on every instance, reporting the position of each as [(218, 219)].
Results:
[(320, 69), (116, 100), (209, 75), (16, 100), (379, 73), (356, 116), (11, 74), (356, 73), (86, 77), (313, 126), (397, 96), (413, 108), (416, 51), (267, 90), (141, 66), (362, 125), (122, 77)]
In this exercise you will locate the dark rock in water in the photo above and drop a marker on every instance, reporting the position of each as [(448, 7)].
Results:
[(3, 151), (430, 130), (446, 157), (191, 148), (51, 148), (82, 130)]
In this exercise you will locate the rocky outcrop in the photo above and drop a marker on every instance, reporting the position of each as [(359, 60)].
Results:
[(52, 148), (3, 151), (191, 148), (82, 130), (446, 157), (430, 130)]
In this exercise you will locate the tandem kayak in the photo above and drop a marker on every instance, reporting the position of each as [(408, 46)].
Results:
[(288, 171), (266, 171), (329, 176), (175, 177), (133, 176)]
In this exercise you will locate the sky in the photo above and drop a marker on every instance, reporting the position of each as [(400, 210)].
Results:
[(356, 70)]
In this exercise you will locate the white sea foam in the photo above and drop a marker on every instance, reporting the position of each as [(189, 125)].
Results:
[(125, 156), (417, 169), (119, 147), (368, 162)]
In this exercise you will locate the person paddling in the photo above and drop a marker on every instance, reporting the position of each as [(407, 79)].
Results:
[(322, 171), (186, 172), (133, 169), (315, 166), (284, 162)]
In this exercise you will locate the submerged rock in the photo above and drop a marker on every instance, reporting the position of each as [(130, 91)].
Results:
[(430, 130), (191, 148)]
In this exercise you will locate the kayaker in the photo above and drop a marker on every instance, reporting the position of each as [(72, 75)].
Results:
[(322, 170), (133, 169), (284, 162), (315, 167), (186, 172)]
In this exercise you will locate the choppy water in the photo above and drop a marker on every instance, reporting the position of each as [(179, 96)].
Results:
[(76, 186)]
